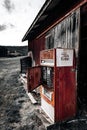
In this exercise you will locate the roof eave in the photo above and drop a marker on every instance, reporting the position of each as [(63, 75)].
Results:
[(46, 4)]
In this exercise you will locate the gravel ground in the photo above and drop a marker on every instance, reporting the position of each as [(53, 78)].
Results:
[(16, 110)]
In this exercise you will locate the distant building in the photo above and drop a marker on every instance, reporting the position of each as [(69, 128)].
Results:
[(3, 51)]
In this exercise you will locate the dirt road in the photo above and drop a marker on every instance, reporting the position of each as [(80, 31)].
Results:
[(16, 110)]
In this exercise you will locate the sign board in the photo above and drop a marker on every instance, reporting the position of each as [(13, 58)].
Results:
[(64, 57)]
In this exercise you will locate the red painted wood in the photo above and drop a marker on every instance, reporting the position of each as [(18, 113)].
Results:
[(38, 46), (35, 47)]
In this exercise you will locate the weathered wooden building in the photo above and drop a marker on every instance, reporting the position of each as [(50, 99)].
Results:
[(57, 39)]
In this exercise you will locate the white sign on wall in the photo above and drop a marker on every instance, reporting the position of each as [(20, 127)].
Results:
[(64, 57)]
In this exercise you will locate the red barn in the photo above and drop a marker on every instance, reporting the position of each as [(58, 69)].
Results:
[(57, 45)]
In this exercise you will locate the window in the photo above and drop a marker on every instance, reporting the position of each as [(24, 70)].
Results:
[(49, 40)]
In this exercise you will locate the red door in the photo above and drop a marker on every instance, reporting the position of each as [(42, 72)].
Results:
[(65, 92), (33, 79)]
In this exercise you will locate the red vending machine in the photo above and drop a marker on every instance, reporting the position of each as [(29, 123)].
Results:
[(57, 78), (65, 85)]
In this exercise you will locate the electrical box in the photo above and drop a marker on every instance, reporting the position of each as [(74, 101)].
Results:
[(56, 75)]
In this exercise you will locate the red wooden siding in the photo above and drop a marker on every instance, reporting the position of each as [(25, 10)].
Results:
[(36, 46)]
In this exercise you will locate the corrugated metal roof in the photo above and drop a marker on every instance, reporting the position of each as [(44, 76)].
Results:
[(50, 11)]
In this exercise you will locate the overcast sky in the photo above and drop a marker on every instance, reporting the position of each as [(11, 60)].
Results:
[(15, 18)]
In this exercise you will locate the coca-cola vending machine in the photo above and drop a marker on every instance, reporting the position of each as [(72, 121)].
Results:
[(56, 76)]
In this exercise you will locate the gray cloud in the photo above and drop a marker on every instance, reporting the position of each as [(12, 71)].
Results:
[(11, 25), (3, 27), (8, 5)]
